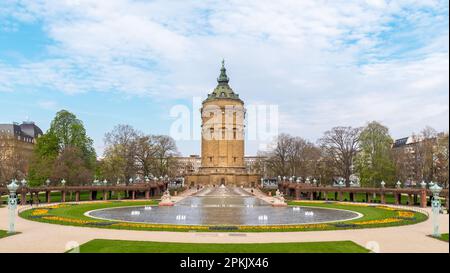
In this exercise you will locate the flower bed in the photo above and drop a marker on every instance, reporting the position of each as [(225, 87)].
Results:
[(373, 216), (38, 212)]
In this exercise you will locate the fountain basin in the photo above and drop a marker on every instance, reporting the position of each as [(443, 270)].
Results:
[(228, 215), (223, 206)]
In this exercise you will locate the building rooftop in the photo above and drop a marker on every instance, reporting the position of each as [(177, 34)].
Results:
[(27, 131)]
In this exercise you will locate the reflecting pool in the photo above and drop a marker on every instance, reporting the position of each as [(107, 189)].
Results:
[(223, 206)]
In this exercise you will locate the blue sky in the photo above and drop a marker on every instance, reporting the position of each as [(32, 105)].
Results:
[(324, 63)]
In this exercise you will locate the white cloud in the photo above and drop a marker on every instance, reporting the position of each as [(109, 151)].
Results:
[(325, 63)]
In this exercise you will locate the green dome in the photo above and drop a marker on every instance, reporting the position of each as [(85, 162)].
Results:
[(223, 90)]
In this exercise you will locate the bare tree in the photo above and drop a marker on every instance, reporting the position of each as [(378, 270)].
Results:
[(403, 159), (146, 150), (123, 136), (423, 153), (165, 152), (292, 156), (278, 157), (441, 159), (340, 146), (113, 165)]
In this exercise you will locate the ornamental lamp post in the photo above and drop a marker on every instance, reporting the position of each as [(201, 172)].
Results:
[(423, 185), (290, 179), (431, 184), (436, 207), (398, 184), (307, 180), (23, 182), (298, 180), (47, 182), (63, 182), (105, 182), (12, 205), (130, 180), (383, 184), (315, 182), (147, 180)]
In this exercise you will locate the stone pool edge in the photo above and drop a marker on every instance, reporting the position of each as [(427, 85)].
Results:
[(359, 215)]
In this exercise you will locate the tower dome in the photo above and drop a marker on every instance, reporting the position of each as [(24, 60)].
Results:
[(223, 89)]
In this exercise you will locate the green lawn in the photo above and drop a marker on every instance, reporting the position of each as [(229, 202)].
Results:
[(117, 246), (4, 233), (56, 196), (370, 213), (72, 214), (444, 237), (361, 197)]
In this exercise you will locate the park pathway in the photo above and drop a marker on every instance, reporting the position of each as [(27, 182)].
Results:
[(42, 237)]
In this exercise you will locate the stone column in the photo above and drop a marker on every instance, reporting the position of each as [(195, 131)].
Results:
[(368, 197), (382, 198), (423, 198), (63, 196), (341, 196), (396, 197), (147, 194), (77, 196), (297, 194), (326, 195), (48, 197), (311, 195), (133, 195), (411, 199), (91, 193), (105, 195)]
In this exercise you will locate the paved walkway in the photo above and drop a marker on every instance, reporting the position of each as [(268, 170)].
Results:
[(42, 237)]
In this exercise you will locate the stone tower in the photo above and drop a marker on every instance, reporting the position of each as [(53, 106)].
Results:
[(223, 115), (222, 160)]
